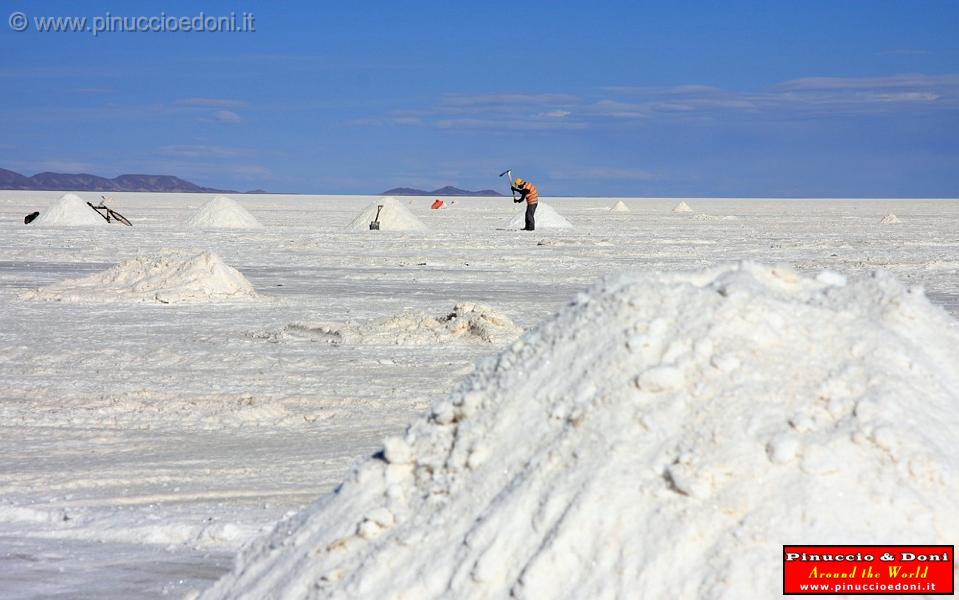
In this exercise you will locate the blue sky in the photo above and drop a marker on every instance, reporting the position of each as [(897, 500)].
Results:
[(836, 98)]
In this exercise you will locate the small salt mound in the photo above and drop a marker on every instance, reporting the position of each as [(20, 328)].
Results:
[(170, 277), (546, 217), (69, 211), (705, 217), (890, 219), (682, 207), (393, 217), (466, 322), (660, 437), (223, 212), (620, 206)]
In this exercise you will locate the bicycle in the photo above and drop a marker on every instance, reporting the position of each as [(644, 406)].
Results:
[(108, 213)]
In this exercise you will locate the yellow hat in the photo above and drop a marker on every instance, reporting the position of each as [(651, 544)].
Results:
[(518, 182)]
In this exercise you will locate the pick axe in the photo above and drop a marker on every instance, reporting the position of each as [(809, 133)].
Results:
[(509, 181)]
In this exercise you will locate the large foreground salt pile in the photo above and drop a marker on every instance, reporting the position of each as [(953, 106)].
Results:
[(169, 277), (225, 213), (546, 217), (393, 217), (661, 437), (69, 211)]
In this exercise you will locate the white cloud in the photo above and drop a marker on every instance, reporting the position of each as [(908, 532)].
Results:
[(796, 99), (492, 112), (624, 110), (911, 81), (226, 116), (498, 101), (516, 124), (209, 103)]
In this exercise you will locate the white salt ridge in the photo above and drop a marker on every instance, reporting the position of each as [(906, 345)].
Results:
[(169, 278), (620, 206), (393, 217), (223, 213), (890, 219), (546, 217), (661, 437), (85, 526), (69, 211), (682, 207), (466, 322)]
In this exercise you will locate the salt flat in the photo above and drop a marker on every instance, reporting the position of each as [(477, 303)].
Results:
[(142, 444)]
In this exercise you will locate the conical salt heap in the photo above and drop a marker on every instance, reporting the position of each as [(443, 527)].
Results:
[(545, 217), (69, 211), (682, 207), (223, 213), (620, 206), (392, 217)]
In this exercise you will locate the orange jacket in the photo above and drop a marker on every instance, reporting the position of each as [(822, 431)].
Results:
[(528, 190)]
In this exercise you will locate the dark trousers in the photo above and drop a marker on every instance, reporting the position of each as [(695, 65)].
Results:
[(530, 221)]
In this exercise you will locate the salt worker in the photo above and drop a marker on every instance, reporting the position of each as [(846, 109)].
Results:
[(528, 193)]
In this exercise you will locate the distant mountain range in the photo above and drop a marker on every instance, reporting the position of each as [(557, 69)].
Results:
[(443, 191), (83, 182)]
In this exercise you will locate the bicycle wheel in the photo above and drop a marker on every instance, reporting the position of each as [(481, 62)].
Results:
[(118, 217)]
